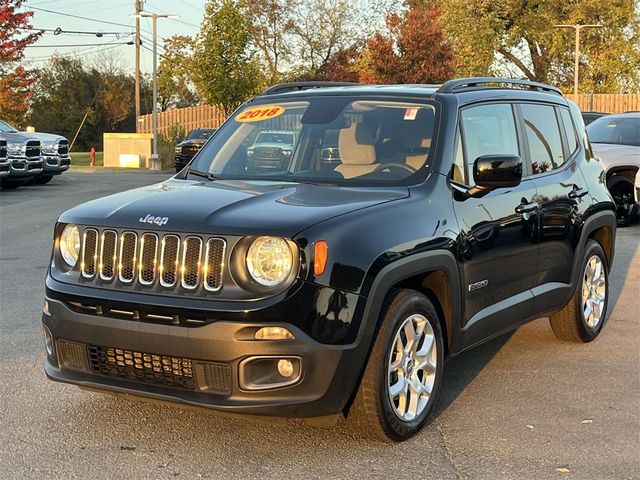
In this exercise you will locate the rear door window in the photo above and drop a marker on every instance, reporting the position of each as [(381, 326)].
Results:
[(543, 137)]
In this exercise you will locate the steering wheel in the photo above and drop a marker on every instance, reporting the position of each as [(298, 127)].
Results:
[(395, 166)]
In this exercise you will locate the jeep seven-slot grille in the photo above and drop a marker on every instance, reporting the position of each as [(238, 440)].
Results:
[(148, 259)]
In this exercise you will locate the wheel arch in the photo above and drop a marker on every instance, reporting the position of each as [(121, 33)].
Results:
[(434, 274)]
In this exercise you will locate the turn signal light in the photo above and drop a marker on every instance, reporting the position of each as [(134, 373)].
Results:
[(274, 333), (320, 254)]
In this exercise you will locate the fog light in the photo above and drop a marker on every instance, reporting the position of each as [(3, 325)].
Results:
[(274, 333), (48, 341), (259, 373), (285, 368)]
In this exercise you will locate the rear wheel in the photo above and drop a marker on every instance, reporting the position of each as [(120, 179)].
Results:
[(404, 372), (42, 179), (621, 189), (582, 319)]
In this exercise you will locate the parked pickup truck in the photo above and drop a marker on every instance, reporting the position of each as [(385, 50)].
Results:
[(4, 161), (23, 156), (54, 152)]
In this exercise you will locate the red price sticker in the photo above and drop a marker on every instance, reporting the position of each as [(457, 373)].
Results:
[(257, 114)]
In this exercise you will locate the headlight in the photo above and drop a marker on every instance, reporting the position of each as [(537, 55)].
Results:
[(178, 149), (16, 149), (70, 245), (49, 148), (269, 260)]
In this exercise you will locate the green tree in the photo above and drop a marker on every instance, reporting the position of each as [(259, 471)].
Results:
[(518, 36), (15, 80), (225, 64), (175, 87), (67, 90), (271, 29)]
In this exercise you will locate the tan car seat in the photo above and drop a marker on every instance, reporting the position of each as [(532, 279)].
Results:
[(357, 151), (416, 137)]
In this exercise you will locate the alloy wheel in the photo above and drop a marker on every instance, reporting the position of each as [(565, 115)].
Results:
[(412, 367)]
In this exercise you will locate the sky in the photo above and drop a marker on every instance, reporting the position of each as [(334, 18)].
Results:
[(100, 16)]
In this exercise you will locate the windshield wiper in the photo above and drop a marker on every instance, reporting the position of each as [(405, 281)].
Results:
[(198, 173)]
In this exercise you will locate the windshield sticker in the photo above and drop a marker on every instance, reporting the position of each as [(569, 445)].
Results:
[(410, 113), (257, 114)]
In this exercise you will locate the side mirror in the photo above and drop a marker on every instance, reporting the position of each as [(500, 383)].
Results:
[(497, 171)]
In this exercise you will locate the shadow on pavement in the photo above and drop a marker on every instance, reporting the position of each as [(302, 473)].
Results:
[(460, 371)]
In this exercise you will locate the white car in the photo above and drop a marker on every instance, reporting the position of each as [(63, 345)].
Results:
[(615, 140)]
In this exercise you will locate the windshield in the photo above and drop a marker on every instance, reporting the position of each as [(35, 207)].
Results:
[(200, 133), (342, 140), (618, 130), (6, 128)]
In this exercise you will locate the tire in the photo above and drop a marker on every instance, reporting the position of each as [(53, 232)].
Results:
[(373, 413), (621, 189), (42, 179), (571, 324), (9, 185)]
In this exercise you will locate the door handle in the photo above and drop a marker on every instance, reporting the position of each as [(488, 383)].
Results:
[(577, 193), (527, 208)]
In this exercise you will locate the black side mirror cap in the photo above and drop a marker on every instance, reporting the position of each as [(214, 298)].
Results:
[(497, 171)]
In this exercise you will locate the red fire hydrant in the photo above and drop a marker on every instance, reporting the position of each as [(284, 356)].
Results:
[(93, 157)]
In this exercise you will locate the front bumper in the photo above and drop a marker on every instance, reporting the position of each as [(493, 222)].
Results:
[(24, 167), (181, 161), (55, 164), (329, 373), (5, 168)]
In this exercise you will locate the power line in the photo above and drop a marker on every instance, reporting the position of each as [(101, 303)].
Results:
[(60, 31), (79, 16), (77, 45)]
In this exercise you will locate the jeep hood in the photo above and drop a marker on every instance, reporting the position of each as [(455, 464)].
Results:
[(230, 207)]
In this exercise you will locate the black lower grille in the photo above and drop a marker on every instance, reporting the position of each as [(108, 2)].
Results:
[(34, 165), (141, 366)]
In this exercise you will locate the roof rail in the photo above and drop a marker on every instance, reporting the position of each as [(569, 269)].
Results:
[(478, 83), (295, 86)]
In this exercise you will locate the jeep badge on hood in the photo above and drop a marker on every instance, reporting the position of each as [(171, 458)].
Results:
[(151, 219)]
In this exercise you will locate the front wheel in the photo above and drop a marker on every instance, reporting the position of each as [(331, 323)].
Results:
[(404, 373), (582, 319)]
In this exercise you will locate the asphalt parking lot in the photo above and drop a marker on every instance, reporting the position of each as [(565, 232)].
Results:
[(522, 406)]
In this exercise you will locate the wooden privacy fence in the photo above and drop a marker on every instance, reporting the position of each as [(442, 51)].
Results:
[(207, 116), (202, 116), (607, 102)]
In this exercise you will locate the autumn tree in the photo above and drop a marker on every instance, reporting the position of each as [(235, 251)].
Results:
[(414, 51), (15, 80), (342, 66), (175, 85), (225, 66)]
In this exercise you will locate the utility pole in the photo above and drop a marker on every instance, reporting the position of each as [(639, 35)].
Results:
[(577, 28), (155, 163), (139, 5)]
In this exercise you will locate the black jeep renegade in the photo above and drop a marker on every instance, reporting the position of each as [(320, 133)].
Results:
[(446, 215)]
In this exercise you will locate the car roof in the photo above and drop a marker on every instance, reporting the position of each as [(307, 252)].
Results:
[(464, 96), (622, 115)]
